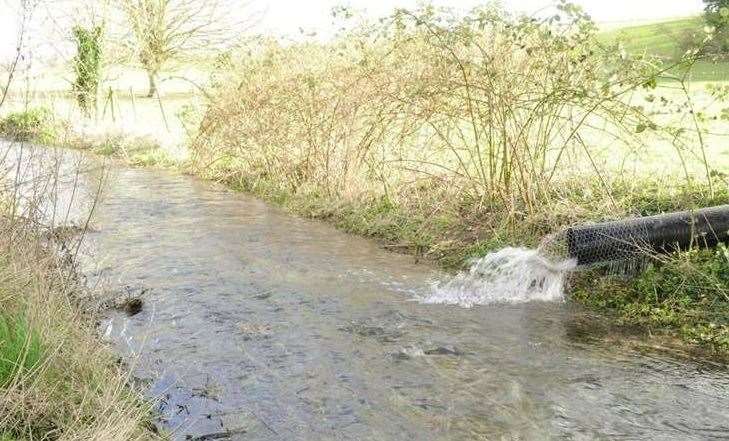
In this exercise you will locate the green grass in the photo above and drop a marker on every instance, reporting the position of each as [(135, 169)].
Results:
[(20, 348), (39, 126), (686, 295), (35, 124), (665, 40), (660, 39), (75, 391)]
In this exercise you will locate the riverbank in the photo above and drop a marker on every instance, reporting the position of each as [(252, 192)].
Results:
[(338, 327), (57, 380), (683, 297)]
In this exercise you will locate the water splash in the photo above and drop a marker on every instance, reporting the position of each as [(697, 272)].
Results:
[(510, 275)]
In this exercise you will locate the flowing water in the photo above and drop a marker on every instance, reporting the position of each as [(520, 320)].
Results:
[(510, 275), (261, 326)]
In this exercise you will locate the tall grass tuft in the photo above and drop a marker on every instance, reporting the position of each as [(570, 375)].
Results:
[(20, 348)]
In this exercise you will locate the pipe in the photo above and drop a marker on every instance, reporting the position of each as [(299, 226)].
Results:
[(661, 234)]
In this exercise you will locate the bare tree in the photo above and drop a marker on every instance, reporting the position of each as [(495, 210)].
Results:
[(25, 9), (164, 30)]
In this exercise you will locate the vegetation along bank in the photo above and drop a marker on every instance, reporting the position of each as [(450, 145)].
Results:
[(57, 380)]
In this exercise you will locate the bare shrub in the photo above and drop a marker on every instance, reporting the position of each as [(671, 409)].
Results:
[(490, 108), (24, 14)]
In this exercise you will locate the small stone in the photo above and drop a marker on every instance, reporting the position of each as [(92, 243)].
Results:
[(252, 330), (263, 296), (133, 306), (445, 350)]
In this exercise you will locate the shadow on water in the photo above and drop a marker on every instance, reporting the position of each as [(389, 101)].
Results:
[(258, 325)]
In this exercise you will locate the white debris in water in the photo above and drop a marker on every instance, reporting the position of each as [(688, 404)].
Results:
[(510, 275)]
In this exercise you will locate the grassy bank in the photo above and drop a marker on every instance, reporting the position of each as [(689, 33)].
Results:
[(408, 132), (685, 295), (43, 126), (57, 381), (669, 40)]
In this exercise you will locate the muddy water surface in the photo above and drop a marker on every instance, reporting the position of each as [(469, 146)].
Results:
[(258, 325)]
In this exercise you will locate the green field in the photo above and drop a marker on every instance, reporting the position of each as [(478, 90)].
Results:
[(668, 40)]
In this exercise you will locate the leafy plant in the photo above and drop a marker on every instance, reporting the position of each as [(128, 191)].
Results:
[(87, 66), (687, 293), (35, 124), (717, 17), (717, 12)]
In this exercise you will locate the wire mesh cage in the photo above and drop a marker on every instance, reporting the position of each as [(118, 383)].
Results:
[(634, 239)]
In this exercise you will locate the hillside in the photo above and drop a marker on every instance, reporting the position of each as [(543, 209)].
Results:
[(667, 39)]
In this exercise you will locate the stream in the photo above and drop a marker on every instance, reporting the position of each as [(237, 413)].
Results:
[(258, 325)]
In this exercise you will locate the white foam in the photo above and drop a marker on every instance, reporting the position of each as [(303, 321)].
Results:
[(510, 275)]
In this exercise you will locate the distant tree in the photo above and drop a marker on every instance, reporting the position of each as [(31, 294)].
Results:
[(164, 30), (717, 12), (23, 11), (717, 16)]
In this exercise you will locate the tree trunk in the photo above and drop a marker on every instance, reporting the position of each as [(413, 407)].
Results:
[(152, 84)]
